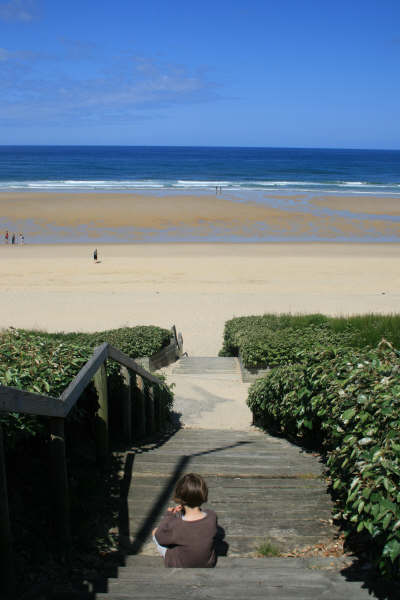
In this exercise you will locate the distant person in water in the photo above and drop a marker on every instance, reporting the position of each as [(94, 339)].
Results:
[(95, 255)]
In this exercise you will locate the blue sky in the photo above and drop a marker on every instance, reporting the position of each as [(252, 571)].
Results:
[(300, 73)]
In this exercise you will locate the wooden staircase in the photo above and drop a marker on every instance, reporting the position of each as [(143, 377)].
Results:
[(262, 488)]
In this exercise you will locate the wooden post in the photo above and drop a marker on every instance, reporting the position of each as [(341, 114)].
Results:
[(163, 409), (157, 407), (150, 412), (180, 344), (60, 486), (139, 408), (127, 377), (100, 382), (7, 574)]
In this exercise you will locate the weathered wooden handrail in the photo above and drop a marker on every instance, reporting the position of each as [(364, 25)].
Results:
[(15, 400), (128, 362), (147, 412), (74, 390)]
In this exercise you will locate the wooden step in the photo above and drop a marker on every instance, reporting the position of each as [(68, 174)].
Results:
[(278, 579)]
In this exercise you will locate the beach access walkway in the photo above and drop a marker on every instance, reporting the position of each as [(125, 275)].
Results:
[(270, 496)]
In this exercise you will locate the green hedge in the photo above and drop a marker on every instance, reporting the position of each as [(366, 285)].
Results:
[(347, 402), (47, 362), (142, 340), (272, 340)]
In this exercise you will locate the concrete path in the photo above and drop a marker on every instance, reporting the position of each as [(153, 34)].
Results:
[(209, 393)]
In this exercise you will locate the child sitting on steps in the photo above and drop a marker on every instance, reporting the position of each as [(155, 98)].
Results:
[(186, 535)]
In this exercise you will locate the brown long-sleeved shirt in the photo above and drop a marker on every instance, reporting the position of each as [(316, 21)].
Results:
[(190, 543)]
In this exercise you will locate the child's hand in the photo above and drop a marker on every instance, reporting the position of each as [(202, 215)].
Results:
[(175, 509)]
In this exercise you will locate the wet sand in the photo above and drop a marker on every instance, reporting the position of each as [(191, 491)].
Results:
[(172, 216), (195, 286)]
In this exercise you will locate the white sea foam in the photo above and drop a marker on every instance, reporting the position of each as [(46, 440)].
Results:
[(150, 184), (193, 184), (285, 183)]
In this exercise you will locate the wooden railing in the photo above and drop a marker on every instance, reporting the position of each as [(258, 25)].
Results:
[(143, 412)]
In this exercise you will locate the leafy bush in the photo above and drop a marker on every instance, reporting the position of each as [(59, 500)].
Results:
[(346, 401), (46, 363), (272, 340), (40, 365), (142, 340), (283, 346)]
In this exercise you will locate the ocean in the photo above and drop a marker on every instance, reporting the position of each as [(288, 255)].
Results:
[(69, 168)]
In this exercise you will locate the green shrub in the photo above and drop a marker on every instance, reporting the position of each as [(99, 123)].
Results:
[(40, 365), (347, 402), (272, 340), (46, 363)]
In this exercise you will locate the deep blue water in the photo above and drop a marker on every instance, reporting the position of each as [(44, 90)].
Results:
[(158, 168)]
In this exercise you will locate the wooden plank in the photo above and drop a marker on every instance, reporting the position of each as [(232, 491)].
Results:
[(60, 486), (180, 343), (157, 408), (15, 400), (150, 410), (162, 407), (139, 409), (165, 356), (128, 379), (71, 394), (7, 574), (101, 422), (125, 360), (173, 331)]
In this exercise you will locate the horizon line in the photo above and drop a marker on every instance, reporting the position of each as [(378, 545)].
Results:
[(197, 146)]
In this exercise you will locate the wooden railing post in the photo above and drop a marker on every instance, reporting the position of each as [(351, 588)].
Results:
[(157, 407), (100, 382), (7, 574), (180, 344), (60, 486), (150, 412), (163, 409), (128, 383), (139, 408)]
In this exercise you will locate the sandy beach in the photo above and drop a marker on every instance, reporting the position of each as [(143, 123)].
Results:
[(195, 286)]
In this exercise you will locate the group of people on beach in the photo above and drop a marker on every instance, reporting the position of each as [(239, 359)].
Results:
[(14, 238)]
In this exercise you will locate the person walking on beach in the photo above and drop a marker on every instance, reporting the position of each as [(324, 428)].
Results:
[(186, 535), (6, 237), (21, 238), (13, 239), (95, 255)]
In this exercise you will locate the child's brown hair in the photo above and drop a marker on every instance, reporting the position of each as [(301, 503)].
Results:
[(191, 490)]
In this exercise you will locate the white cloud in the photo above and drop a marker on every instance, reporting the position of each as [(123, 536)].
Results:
[(19, 10), (41, 87)]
